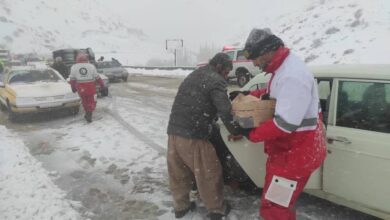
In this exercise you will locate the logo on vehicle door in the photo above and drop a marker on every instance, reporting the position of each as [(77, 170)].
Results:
[(83, 71)]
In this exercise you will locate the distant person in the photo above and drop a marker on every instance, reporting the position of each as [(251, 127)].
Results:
[(1, 67), (60, 67), (101, 59), (83, 77)]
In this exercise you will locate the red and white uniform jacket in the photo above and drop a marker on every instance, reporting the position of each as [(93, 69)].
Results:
[(83, 77), (294, 137)]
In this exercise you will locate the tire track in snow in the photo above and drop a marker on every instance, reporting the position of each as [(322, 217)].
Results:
[(115, 114)]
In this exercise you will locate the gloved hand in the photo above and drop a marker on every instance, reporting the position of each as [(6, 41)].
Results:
[(265, 96), (234, 94), (74, 90), (245, 132)]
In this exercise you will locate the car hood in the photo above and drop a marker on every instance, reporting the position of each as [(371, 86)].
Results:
[(42, 89)]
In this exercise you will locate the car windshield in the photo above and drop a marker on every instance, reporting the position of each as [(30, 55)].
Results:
[(102, 65), (32, 76)]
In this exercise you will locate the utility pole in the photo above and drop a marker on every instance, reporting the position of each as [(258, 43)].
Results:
[(178, 43)]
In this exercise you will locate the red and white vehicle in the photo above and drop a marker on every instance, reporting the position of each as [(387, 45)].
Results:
[(243, 69)]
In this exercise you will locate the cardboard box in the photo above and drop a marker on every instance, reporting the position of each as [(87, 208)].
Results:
[(250, 111)]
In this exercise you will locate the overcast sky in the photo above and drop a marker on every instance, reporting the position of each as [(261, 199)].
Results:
[(201, 21)]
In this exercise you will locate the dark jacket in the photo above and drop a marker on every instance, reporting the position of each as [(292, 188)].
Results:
[(61, 68), (201, 98)]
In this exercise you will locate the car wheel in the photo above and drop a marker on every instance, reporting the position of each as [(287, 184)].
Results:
[(124, 79), (242, 78), (104, 92), (11, 114), (75, 110)]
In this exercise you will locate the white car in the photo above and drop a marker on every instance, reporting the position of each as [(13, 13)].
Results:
[(355, 101), (30, 89), (243, 69)]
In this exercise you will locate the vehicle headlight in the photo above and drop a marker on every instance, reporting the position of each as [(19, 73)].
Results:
[(20, 101), (71, 96)]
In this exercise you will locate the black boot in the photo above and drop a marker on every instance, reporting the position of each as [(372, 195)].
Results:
[(88, 117), (182, 213), (219, 216)]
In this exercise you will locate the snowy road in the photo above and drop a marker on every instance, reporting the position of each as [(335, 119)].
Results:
[(115, 167)]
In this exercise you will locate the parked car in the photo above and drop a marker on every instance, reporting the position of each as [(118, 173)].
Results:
[(68, 56), (112, 69), (29, 89), (243, 69), (355, 100)]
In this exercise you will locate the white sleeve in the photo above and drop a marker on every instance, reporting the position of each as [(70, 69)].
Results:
[(72, 74)]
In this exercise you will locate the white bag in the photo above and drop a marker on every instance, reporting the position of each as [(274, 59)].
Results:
[(281, 190)]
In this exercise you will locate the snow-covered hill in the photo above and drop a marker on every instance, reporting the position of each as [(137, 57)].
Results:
[(43, 26), (321, 31), (334, 31)]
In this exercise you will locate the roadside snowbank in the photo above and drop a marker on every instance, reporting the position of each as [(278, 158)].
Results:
[(26, 190), (158, 72)]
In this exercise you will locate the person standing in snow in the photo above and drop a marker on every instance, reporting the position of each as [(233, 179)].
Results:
[(101, 59), (294, 138), (83, 77), (1, 67), (201, 98), (60, 67)]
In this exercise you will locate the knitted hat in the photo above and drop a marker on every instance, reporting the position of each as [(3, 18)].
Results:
[(259, 42)]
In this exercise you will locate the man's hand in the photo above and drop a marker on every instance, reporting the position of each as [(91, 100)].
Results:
[(232, 137)]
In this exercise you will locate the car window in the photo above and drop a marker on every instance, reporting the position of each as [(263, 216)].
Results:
[(31, 76), (364, 105), (230, 54), (240, 56)]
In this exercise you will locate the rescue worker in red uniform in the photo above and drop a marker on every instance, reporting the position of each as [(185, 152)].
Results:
[(83, 77), (294, 138)]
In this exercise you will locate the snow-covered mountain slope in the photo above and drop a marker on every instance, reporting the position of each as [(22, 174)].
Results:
[(320, 31), (43, 26), (334, 31)]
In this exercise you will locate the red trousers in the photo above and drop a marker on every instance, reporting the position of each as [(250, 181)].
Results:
[(89, 102), (273, 211)]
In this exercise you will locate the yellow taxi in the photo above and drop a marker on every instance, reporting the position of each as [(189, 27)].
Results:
[(29, 89)]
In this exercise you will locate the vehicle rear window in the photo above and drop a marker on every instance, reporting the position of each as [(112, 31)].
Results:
[(364, 105), (31, 76)]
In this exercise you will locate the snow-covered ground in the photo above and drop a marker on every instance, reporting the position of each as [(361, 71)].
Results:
[(26, 189)]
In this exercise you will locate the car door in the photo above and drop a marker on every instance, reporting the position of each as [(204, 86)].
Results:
[(357, 167)]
